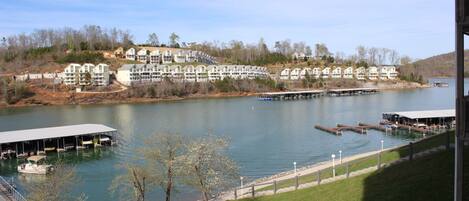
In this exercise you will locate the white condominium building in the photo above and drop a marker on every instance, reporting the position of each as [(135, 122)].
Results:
[(348, 73), (130, 74), (360, 73), (142, 55), (336, 72), (71, 74), (155, 57), (163, 55), (86, 74), (130, 54), (167, 57)]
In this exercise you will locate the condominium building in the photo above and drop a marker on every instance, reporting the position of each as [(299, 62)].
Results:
[(348, 73), (285, 74), (130, 74), (167, 57), (86, 74), (360, 73), (325, 73), (180, 57), (336, 72), (164, 55), (295, 74), (130, 54), (373, 73), (142, 55), (71, 74), (155, 57)]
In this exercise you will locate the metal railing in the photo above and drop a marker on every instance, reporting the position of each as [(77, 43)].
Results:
[(11, 191), (347, 169)]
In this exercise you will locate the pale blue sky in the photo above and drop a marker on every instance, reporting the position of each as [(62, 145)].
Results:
[(418, 28)]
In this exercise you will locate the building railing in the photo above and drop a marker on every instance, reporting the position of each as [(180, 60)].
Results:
[(11, 191)]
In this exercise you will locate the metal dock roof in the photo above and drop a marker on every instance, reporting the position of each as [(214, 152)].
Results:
[(53, 132), (425, 114)]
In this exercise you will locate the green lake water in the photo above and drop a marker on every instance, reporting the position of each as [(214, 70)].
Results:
[(266, 136)]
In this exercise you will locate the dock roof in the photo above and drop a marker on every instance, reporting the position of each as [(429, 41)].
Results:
[(53, 132), (426, 114)]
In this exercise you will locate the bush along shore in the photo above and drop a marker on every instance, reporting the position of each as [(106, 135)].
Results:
[(44, 92)]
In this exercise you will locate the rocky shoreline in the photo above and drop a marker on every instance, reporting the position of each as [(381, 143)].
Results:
[(71, 98)]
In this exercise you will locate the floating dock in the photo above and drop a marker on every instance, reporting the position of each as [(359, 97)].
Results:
[(426, 121), (362, 128), (295, 95), (334, 131), (24, 143)]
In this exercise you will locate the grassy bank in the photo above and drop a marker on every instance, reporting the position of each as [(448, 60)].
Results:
[(359, 164), (425, 178)]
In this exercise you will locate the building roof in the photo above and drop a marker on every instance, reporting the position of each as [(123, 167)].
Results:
[(52, 132), (426, 114)]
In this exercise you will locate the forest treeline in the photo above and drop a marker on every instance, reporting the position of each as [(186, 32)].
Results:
[(46, 45)]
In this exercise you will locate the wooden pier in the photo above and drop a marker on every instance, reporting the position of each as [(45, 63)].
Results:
[(295, 95), (362, 128), (334, 131), (356, 129), (374, 127)]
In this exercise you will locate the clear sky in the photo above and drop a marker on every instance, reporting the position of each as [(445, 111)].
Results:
[(418, 28)]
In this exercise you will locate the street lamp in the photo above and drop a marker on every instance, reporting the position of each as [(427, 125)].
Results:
[(382, 145), (333, 165), (241, 178), (294, 166), (340, 156)]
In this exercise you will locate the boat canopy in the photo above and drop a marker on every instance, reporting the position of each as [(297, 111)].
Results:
[(36, 158)]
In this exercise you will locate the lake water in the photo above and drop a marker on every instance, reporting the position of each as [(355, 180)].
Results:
[(266, 137)]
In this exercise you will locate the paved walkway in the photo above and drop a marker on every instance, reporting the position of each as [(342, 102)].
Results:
[(246, 192)]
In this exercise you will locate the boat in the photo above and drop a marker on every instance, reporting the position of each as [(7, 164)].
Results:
[(35, 165), (440, 84)]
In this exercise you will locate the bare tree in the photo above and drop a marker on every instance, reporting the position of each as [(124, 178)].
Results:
[(394, 57), (308, 50), (56, 187), (339, 57), (153, 39), (372, 54), (209, 169), (173, 39), (163, 152), (405, 60), (361, 53), (136, 179), (321, 50)]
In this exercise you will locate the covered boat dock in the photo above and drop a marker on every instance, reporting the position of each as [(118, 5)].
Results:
[(29, 142), (428, 119), (295, 95)]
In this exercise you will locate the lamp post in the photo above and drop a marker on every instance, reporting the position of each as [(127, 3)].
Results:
[(294, 166), (241, 178), (340, 156), (333, 165), (382, 145)]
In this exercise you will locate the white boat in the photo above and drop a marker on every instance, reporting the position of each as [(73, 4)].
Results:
[(35, 165)]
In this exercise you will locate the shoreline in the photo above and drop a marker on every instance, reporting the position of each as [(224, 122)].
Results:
[(305, 170), (110, 101)]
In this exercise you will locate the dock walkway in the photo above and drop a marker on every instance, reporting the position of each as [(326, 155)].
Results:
[(293, 95), (362, 128)]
